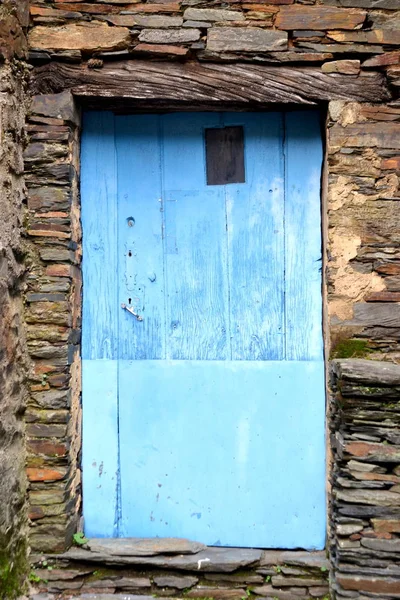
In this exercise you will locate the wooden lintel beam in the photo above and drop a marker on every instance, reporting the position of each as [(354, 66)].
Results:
[(200, 84)]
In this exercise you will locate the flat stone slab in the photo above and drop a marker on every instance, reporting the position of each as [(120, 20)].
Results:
[(112, 597), (215, 560), (298, 558), (144, 546)]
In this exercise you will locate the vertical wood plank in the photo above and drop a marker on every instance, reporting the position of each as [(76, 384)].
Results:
[(100, 461), (303, 154), (195, 228), (140, 243), (255, 229), (100, 325), (99, 264)]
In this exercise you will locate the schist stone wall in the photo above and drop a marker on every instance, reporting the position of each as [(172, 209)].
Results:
[(13, 354), (340, 55)]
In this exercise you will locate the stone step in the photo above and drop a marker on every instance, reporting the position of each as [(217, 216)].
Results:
[(121, 552)]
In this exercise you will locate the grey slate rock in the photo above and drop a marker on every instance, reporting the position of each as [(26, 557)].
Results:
[(112, 597), (159, 21), (171, 581), (59, 106), (381, 545), (367, 371), (246, 39), (169, 36), (212, 14), (217, 560), (385, 4), (144, 546)]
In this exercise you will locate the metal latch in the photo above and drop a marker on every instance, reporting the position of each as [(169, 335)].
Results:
[(129, 309)]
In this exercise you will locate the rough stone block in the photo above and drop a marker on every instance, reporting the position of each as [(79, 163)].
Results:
[(161, 49), (212, 14), (318, 17), (249, 39), (382, 135), (46, 473), (144, 547), (158, 21), (376, 36), (347, 67), (383, 4), (87, 37), (169, 36)]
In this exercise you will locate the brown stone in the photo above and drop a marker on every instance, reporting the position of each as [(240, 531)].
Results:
[(61, 270), (374, 452), (319, 18), (377, 585), (259, 2), (249, 39), (388, 268), (364, 135), (86, 7), (347, 67), (377, 36), (386, 525), (46, 474), (87, 37), (265, 9), (375, 477), (382, 60), (159, 49), (212, 14), (12, 39), (391, 163), (383, 297)]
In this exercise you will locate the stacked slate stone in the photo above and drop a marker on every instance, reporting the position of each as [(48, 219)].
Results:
[(177, 568), (341, 35), (365, 535), (53, 323)]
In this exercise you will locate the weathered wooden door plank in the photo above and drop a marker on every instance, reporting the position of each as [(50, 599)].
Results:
[(100, 325), (303, 250)]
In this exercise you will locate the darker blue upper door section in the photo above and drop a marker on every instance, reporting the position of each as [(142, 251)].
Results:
[(215, 272)]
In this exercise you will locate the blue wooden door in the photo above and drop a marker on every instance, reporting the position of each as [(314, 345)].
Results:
[(203, 416)]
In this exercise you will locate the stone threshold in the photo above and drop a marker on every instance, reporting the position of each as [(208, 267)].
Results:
[(141, 569), (181, 554)]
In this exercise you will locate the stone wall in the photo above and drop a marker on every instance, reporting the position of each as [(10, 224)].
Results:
[(365, 542), (340, 55), (181, 569), (53, 321), (13, 356)]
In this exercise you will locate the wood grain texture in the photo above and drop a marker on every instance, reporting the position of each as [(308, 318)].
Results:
[(303, 246), (100, 262), (149, 84), (140, 237), (195, 229), (255, 237)]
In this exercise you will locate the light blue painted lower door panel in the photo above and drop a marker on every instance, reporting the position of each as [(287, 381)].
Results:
[(219, 455), (204, 419)]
